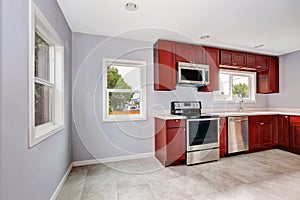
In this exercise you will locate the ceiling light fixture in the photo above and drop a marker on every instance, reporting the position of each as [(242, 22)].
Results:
[(131, 6), (204, 37), (259, 46)]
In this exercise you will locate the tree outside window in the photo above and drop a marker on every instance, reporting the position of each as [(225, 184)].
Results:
[(124, 90)]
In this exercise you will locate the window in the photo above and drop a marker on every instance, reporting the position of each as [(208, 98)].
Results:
[(235, 85), (124, 93), (45, 79)]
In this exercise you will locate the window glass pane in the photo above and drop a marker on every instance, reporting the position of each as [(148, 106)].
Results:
[(43, 101), (124, 103), (120, 77), (225, 85), (41, 69), (240, 87)]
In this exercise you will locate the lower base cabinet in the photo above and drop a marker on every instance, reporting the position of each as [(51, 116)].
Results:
[(294, 134), (170, 141), (261, 132), (283, 131)]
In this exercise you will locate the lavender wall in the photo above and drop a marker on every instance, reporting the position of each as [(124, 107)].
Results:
[(289, 82), (94, 139), (28, 173)]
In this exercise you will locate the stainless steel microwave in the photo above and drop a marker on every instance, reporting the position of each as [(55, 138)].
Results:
[(193, 74)]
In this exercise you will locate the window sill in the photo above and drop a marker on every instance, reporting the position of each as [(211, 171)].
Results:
[(43, 132), (124, 119), (234, 101)]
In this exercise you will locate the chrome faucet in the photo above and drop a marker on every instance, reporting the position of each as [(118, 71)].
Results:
[(241, 101)]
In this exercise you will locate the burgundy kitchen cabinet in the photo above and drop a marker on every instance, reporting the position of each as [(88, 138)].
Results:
[(268, 81), (283, 130), (170, 147), (223, 136), (212, 59), (233, 59), (251, 60), (261, 62), (295, 133), (190, 53), (261, 132), (164, 65)]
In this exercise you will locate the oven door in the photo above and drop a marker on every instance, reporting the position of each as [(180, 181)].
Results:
[(202, 134)]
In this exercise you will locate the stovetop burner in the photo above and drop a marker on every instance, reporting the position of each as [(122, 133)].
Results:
[(186, 108), (189, 109)]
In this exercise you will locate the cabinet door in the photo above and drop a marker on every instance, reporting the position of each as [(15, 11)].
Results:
[(295, 132), (254, 134), (190, 53), (283, 130), (239, 59), (164, 65), (197, 54), (223, 136), (182, 52), (251, 60), (175, 144), (212, 57), (266, 133), (261, 62), (226, 57)]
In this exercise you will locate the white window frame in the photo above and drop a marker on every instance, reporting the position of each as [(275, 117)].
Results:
[(142, 90), (39, 23), (252, 86)]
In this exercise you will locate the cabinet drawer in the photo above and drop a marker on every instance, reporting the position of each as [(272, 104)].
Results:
[(175, 123)]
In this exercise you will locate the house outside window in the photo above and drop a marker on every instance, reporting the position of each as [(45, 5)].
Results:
[(235, 85), (124, 93), (45, 79)]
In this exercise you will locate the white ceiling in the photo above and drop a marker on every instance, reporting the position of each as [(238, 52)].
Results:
[(237, 24)]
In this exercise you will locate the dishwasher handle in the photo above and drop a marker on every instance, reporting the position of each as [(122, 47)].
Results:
[(238, 120)]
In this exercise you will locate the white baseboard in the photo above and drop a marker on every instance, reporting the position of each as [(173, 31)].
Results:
[(112, 159), (61, 183)]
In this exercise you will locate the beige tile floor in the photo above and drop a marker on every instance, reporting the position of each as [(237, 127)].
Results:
[(272, 174)]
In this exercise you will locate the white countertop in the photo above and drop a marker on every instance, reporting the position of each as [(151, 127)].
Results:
[(247, 112)]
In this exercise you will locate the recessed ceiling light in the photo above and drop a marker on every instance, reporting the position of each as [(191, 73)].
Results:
[(259, 46), (204, 37), (131, 6)]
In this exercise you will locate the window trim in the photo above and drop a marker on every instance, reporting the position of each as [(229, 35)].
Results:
[(252, 86), (39, 23), (143, 104)]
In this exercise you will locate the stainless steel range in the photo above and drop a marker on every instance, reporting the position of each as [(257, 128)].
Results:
[(202, 132)]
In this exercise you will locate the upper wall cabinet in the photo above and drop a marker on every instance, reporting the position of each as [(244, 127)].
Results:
[(164, 65), (268, 81), (190, 53), (262, 62), (251, 61), (168, 53), (212, 59), (233, 59)]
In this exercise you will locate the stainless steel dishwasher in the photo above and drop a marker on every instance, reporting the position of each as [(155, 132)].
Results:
[(237, 134)]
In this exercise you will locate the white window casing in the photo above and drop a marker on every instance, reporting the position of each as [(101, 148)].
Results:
[(38, 23), (219, 98), (141, 90)]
